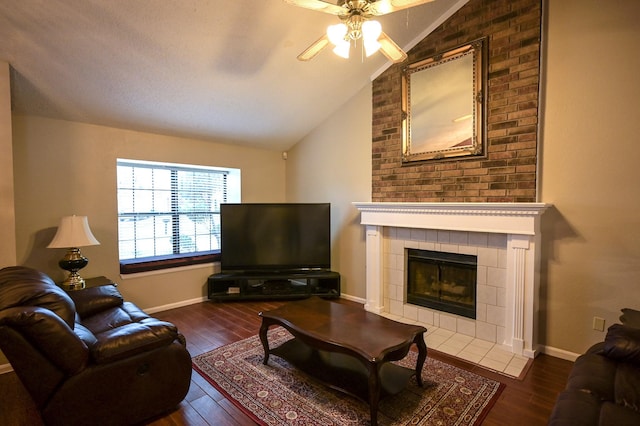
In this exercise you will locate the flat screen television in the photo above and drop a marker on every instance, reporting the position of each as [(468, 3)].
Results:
[(282, 237)]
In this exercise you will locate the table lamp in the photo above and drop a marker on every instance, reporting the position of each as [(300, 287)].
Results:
[(73, 232)]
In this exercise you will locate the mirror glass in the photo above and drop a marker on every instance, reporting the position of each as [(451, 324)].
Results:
[(443, 104)]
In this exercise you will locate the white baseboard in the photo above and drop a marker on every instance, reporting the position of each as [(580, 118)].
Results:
[(559, 353), (353, 298), (175, 305)]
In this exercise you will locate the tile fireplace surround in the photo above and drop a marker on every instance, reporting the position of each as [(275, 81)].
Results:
[(504, 236)]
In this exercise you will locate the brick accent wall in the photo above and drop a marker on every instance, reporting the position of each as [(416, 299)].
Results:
[(507, 171)]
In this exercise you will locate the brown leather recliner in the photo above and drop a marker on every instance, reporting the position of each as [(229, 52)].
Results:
[(88, 357)]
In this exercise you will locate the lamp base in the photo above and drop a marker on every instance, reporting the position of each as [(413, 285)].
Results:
[(73, 261), (73, 282)]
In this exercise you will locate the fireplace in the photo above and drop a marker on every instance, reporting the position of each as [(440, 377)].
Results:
[(442, 281), (506, 238)]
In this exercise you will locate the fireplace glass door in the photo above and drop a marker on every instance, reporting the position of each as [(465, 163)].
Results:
[(442, 281)]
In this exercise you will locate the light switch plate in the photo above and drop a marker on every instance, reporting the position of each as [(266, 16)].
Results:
[(598, 323)]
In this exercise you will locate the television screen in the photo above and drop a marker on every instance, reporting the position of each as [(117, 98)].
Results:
[(275, 237)]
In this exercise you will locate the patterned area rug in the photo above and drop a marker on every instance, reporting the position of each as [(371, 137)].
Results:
[(278, 394)]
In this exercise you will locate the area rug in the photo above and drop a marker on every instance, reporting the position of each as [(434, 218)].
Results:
[(278, 394)]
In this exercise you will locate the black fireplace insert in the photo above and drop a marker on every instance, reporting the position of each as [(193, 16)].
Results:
[(442, 281)]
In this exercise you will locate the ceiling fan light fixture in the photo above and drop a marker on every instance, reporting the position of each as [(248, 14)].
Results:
[(337, 34), (357, 24), (342, 49), (371, 47), (371, 31)]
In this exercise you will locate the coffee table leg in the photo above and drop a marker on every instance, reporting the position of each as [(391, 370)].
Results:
[(422, 356), (263, 338), (374, 391)]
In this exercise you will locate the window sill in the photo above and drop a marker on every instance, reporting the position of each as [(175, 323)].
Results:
[(135, 275), (163, 264)]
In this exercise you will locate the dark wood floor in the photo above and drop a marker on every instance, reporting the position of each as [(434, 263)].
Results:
[(209, 325)]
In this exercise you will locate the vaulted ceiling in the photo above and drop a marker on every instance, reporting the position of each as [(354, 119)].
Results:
[(223, 70)]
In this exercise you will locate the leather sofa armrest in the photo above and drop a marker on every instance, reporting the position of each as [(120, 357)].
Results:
[(85, 335), (90, 301), (132, 339), (47, 332), (575, 407), (627, 384)]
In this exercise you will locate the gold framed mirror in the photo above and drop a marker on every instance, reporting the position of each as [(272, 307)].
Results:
[(443, 105)]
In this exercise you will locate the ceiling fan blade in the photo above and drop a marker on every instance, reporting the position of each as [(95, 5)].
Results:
[(390, 49), (314, 49), (382, 7), (319, 5)]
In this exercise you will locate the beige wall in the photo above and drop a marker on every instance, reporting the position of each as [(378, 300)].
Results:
[(333, 164), (7, 212), (64, 168), (589, 159)]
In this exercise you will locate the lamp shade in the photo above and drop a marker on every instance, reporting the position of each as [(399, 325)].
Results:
[(73, 231)]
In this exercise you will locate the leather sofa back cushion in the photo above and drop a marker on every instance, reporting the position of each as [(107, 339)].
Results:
[(96, 299), (113, 318), (22, 286), (630, 317), (622, 344)]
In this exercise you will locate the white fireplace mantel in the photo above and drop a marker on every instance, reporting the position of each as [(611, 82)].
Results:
[(520, 222), (503, 218)]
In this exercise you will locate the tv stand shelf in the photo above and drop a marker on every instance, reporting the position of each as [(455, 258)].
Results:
[(292, 285)]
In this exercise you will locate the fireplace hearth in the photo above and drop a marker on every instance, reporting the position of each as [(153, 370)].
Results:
[(442, 281)]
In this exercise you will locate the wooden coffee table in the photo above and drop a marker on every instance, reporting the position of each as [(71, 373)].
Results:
[(346, 347)]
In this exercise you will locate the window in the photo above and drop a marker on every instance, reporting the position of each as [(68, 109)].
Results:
[(169, 214)]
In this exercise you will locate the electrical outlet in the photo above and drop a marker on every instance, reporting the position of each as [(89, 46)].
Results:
[(598, 323)]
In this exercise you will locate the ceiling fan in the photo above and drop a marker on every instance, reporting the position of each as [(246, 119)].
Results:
[(356, 24)]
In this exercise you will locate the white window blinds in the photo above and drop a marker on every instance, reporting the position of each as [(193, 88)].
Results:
[(168, 210)]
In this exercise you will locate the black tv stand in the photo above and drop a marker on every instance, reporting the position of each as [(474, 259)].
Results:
[(273, 285)]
